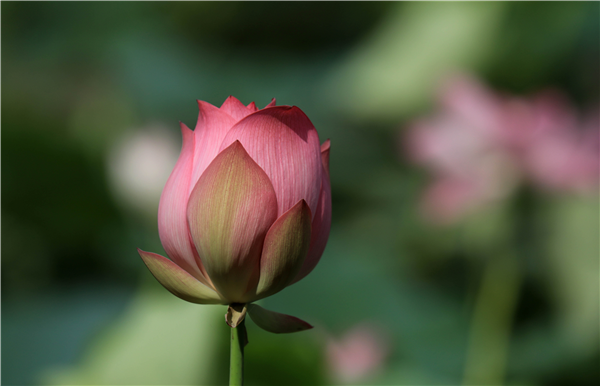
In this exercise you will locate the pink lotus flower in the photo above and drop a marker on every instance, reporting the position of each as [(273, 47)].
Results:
[(246, 211), (480, 145)]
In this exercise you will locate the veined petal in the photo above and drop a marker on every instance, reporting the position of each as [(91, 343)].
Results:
[(235, 108), (172, 220), (285, 249), (321, 223), (285, 144), (275, 322), (229, 213), (213, 124), (179, 282)]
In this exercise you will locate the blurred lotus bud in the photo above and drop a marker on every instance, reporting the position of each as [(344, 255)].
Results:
[(247, 209)]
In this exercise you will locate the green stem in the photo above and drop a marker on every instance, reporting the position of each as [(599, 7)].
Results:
[(236, 358), (487, 351)]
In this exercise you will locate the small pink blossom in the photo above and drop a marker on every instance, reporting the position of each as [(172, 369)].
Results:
[(357, 355)]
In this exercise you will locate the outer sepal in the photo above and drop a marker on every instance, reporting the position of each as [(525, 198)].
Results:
[(235, 314), (275, 322), (177, 281)]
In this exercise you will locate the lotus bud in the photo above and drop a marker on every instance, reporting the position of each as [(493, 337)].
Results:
[(246, 211)]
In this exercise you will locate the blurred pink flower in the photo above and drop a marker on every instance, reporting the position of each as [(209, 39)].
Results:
[(358, 354), (480, 145), (567, 160)]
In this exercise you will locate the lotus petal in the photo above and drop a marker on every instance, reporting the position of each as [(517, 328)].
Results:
[(172, 220), (271, 104), (179, 282), (285, 249), (235, 108), (321, 221), (229, 213), (285, 144), (275, 322), (252, 107), (212, 126)]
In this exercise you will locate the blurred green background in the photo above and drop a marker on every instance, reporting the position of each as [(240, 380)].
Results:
[(91, 98)]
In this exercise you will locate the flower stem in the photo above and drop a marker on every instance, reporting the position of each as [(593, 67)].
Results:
[(236, 358), (487, 352)]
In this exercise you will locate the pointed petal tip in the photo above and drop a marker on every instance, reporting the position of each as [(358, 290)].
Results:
[(204, 104), (304, 205), (229, 99), (236, 109), (271, 104), (184, 127), (326, 145), (236, 146)]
